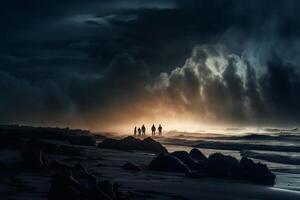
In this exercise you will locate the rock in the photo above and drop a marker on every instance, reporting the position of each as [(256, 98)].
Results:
[(197, 155), (153, 146), (168, 163), (217, 165), (223, 166), (65, 186), (82, 140), (131, 167), (131, 143), (187, 160), (84, 186), (256, 172)]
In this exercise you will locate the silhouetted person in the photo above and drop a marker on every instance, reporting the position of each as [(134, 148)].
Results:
[(143, 130), (139, 131), (135, 131), (153, 129), (159, 130)]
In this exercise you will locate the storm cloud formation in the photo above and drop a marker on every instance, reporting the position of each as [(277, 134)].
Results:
[(73, 63), (215, 84)]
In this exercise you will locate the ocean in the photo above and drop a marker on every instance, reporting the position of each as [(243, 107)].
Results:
[(279, 149)]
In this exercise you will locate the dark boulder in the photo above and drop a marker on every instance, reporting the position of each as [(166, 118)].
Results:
[(84, 186), (197, 155), (217, 165), (168, 163), (220, 165), (131, 143), (65, 186), (153, 146), (256, 172), (131, 167), (187, 160), (83, 140)]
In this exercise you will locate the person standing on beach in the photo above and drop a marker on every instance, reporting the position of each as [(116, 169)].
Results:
[(134, 131), (160, 130), (139, 132), (153, 129), (143, 130)]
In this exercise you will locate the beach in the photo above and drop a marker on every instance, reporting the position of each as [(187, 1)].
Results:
[(106, 164)]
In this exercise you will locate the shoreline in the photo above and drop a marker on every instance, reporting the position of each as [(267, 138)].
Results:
[(107, 164)]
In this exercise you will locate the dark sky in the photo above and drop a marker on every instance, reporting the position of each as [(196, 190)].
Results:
[(95, 64)]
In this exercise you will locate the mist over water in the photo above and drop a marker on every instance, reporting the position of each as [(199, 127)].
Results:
[(280, 147)]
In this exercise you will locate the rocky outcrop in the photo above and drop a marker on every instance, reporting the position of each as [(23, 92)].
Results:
[(223, 166), (187, 160), (197, 155), (168, 163), (84, 186), (256, 172), (153, 146), (133, 144), (217, 165)]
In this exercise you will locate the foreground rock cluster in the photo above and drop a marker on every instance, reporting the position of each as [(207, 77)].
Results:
[(195, 165), (133, 144), (81, 185), (69, 181), (42, 151)]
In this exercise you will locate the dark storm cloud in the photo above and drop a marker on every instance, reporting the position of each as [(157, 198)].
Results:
[(75, 59), (225, 87)]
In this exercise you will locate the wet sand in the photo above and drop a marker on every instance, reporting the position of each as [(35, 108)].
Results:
[(146, 184)]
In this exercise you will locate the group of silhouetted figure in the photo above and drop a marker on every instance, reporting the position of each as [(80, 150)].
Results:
[(141, 131)]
